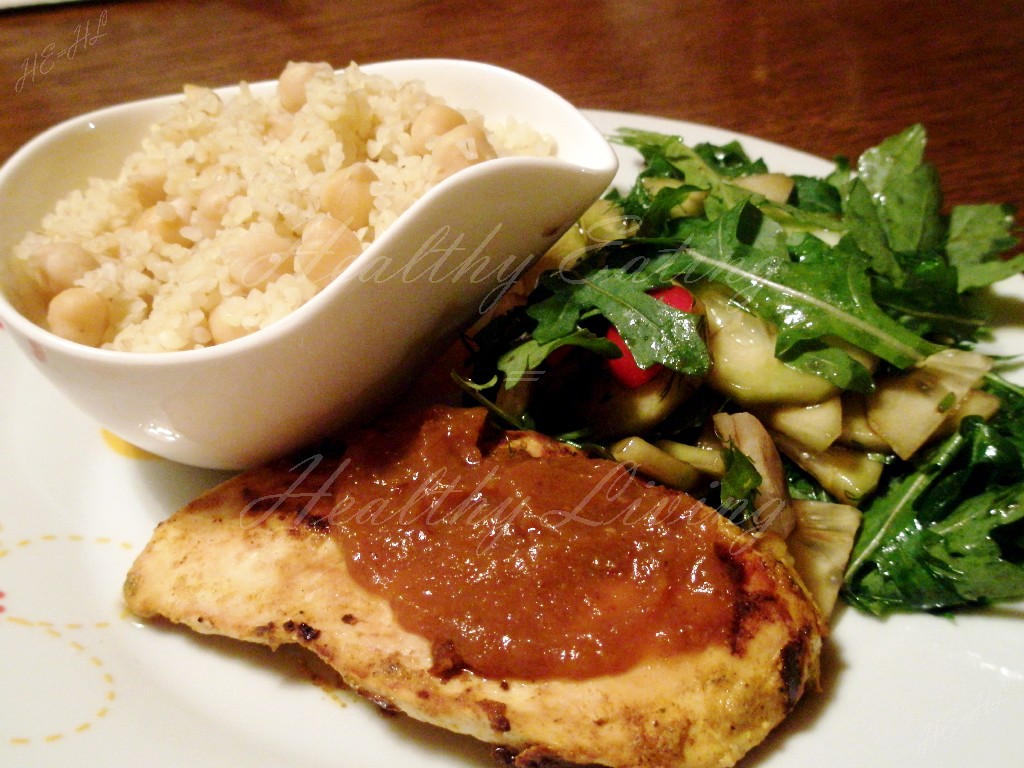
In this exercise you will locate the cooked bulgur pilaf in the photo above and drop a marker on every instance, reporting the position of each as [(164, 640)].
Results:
[(235, 212)]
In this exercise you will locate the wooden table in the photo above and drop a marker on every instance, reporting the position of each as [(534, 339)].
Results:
[(826, 77)]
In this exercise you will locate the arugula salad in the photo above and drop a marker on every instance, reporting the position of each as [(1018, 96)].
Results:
[(798, 352)]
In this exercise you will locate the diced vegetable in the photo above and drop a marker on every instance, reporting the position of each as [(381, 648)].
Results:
[(614, 410), (745, 368), (906, 411), (776, 187), (605, 222), (978, 403), (856, 432), (820, 547), (815, 427), (655, 463), (705, 460), (847, 474)]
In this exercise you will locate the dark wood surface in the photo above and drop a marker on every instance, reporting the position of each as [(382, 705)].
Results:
[(827, 77)]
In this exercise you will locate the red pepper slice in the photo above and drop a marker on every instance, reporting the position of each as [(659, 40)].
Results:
[(625, 368)]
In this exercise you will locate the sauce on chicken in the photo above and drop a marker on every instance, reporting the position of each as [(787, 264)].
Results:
[(568, 567)]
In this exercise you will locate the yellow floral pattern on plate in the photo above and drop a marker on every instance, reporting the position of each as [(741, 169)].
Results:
[(47, 646)]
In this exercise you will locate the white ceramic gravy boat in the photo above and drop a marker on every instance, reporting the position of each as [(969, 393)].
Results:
[(344, 354)]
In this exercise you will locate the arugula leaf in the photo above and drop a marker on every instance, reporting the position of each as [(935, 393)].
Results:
[(661, 209), (705, 167), (976, 556), (979, 235), (980, 547), (830, 363), (730, 160), (841, 177), (738, 486), (703, 164), (531, 354), (825, 292), (654, 331), (944, 534), (927, 300), (816, 196), (1010, 415), (906, 191), (868, 231), (892, 203), (712, 168)]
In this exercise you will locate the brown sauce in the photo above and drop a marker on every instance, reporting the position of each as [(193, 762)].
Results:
[(563, 567)]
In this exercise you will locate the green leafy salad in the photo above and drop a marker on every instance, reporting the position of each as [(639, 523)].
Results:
[(798, 352)]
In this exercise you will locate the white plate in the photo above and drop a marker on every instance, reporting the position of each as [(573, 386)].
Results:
[(82, 683)]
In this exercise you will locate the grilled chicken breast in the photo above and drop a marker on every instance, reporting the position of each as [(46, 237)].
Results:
[(256, 561)]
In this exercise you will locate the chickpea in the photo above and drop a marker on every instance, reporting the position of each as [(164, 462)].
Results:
[(328, 246), (148, 181), (213, 204), (280, 127), (291, 86), (459, 148), (433, 121), (226, 321), (163, 222), (61, 264), (346, 195), (79, 315), (259, 257)]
